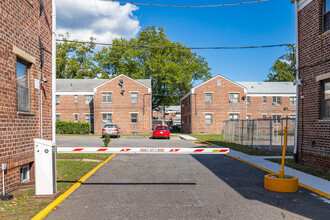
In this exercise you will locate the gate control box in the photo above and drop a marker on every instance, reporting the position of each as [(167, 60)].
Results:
[(45, 170)]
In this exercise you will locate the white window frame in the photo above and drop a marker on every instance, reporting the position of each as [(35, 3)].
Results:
[(208, 99), (231, 116), (248, 100), (293, 100), (106, 97), (232, 98), (248, 116), (89, 118), (106, 121), (264, 99), (276, 119), (325, 113), (134, 99), (58, 98), (25, 167), (137, 117), (75, 117), (75, 98), (59, 117), (88, 99), (208, 121), (277, 100), (20, 100)]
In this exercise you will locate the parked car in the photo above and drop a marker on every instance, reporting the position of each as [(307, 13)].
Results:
[(111, 130), (161, 131)]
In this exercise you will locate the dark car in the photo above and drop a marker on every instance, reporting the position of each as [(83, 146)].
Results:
[(161, 131), (111, 130)]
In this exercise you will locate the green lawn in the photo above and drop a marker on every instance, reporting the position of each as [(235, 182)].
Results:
[(306, 169), (217, 139), (68, 172)]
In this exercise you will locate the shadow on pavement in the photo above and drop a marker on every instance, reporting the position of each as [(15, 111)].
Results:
[(248, 181)]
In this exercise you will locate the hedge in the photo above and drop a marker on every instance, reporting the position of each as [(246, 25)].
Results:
[(64, 127)]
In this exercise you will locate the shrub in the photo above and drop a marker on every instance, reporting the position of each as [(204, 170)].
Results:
[(106, 140), (68, 127)]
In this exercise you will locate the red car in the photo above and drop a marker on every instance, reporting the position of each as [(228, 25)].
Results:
[(161, 131)]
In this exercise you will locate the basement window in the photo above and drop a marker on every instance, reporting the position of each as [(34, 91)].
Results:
[(25, 173)]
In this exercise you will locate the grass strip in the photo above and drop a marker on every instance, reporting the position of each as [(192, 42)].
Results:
[(217, 139), (303, 168), (68, 172)]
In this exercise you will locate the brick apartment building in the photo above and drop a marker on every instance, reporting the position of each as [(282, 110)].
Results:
[(23, 27), (206, 106), (313, 17), (122, 101), (172, 114)]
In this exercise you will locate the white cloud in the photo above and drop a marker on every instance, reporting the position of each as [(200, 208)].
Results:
[(100, 19)]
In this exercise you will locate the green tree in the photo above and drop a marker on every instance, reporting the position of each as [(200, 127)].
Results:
[(75, 60), (284, 68), (172, 70)]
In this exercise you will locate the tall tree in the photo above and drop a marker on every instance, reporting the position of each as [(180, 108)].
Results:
[(284, 68), (75, 60), (172, 70)]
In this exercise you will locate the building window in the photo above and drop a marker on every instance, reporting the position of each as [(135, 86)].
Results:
[(57, 99), (264, 116), (88, 99), (87, 118), (292, 117), (75, 98), (134, 97), (326, 99), (106, 118), (233, 116), (219, 82), (233, 97), (23, 85), (276, 118), (75, 117), (208, 118), (277, 100), (248, 117), (326, 15), (25, 173), (248, 100), (134, 117), (106, 96), (292, 100), (58, 117), (264, 99), (208, 97)]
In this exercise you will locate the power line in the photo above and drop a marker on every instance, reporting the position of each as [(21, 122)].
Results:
[(187, 6), (186, 48)]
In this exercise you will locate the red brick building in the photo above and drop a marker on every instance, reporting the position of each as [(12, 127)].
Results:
[(24, 29), (206, 106), (122, 101), (313, 25)]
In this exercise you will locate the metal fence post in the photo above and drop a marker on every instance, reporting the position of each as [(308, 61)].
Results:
[(270, 133), (252, 134), (242, 132)]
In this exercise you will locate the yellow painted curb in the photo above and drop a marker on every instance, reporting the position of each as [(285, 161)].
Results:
[(205, 142), (122, 138), (318, 192), (42, 214), (288, 184)]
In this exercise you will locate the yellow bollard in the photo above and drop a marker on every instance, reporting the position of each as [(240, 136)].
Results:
[(281, 172), (281, 182)]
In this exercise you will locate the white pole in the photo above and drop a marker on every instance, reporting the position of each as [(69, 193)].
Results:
[(3, 182), (297, 85), (54, 72)]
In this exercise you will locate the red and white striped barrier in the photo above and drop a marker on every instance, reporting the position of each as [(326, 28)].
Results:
[(133, 150)]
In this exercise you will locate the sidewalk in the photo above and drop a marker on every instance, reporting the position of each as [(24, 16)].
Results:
[(309, 181)]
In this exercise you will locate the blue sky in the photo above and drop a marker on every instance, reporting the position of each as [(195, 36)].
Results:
[(263, 23)]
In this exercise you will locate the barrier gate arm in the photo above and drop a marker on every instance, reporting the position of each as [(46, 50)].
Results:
[(146, 150)]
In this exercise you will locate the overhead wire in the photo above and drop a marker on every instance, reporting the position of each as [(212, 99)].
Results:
[(169, 47), (187, 6)]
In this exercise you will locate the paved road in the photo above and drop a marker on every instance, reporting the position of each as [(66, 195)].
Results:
[(183, 187)]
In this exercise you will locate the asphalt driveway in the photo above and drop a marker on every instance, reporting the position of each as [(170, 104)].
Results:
[(181, 187)]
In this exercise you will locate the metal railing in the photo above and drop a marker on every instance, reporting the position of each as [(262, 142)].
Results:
[(264, 134)]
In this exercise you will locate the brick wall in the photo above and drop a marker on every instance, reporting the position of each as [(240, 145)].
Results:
[(20, 27), (121, 106), (314, 56), (67, 108), (193, 115)]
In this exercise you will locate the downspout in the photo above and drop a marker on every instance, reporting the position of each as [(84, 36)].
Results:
[(296, 83), (54, 71)]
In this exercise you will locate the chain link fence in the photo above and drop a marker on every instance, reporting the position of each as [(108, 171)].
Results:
[(263, 134)]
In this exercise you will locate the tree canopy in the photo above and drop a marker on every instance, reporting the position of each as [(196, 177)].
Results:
[(284, 68), (173, 68)]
